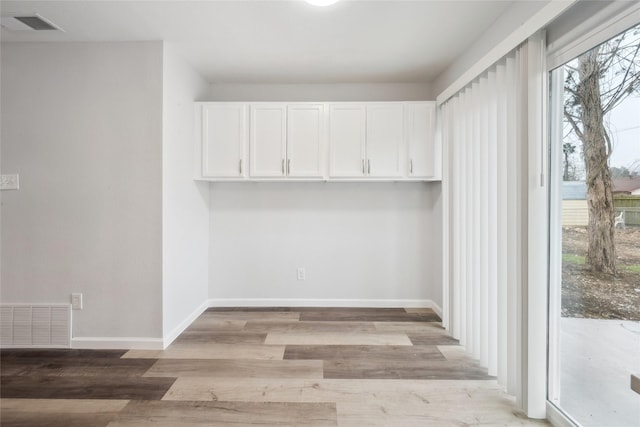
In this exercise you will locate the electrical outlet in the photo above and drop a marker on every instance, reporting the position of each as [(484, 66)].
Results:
[(9, 182), (76, 301), (302, 273)]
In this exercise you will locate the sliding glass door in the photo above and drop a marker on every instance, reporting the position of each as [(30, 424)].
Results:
[(594, 316)]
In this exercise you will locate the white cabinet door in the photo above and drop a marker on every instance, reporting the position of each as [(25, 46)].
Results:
[(421, 138), (268, 140), (347, 129), (305, 124), (385, 137), (223, 140)]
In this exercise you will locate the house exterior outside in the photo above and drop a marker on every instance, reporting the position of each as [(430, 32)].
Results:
[(629, 186), (574, 204), (575, 212)]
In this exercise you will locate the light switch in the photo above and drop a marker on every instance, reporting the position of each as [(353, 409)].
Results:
[(9, 182)]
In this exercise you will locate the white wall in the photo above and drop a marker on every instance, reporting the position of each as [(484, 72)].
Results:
[(514, 17), (322, 92), (185, 202), (82, 125), (357, 241), (101, 135)]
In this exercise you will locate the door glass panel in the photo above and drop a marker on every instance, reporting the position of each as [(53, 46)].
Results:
[(595, 284)]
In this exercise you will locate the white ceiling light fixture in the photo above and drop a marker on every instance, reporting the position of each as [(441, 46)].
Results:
[(321, 3)]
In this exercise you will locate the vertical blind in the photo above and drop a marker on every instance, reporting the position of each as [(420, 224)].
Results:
[(484, 138)]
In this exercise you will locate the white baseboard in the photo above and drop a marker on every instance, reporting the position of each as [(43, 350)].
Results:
[(293, 302), (558, 418), (31, 346), (436, 308), (120, 343), (129, 343), (171, 336)]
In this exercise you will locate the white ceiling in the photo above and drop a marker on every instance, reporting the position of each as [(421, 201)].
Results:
[(264, 41)]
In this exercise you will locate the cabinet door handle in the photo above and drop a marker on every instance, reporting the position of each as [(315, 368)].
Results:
[(411, 166), (240, 166), (369, 166), (363, 167), (288, 166), (282, 166)]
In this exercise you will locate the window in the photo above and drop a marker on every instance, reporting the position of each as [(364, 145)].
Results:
[(594, 314)]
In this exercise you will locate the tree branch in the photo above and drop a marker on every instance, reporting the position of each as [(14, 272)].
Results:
[(611, 52), (621, 90), (573, 124)]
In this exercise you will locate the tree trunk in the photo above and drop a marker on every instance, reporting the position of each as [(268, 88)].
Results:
[(601, 252)]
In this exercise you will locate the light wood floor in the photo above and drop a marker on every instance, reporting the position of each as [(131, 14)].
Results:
[(267, 367)]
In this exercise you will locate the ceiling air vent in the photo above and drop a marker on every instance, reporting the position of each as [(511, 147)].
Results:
[(28, 23)]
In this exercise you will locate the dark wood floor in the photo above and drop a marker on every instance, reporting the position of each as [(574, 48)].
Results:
[(267, 366)]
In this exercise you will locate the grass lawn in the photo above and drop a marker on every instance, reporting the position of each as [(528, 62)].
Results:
[(579, 259)]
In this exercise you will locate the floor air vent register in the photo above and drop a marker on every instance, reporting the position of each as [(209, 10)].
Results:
[(35, 326)]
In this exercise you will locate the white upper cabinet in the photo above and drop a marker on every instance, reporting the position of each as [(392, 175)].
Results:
[(305, 126), (385, 140), (421, 120), (347, 130), (224, 133), (268, 140), (366, 140), (382, 141)]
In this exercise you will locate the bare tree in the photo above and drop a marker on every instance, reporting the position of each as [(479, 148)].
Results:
[(595, 84)]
